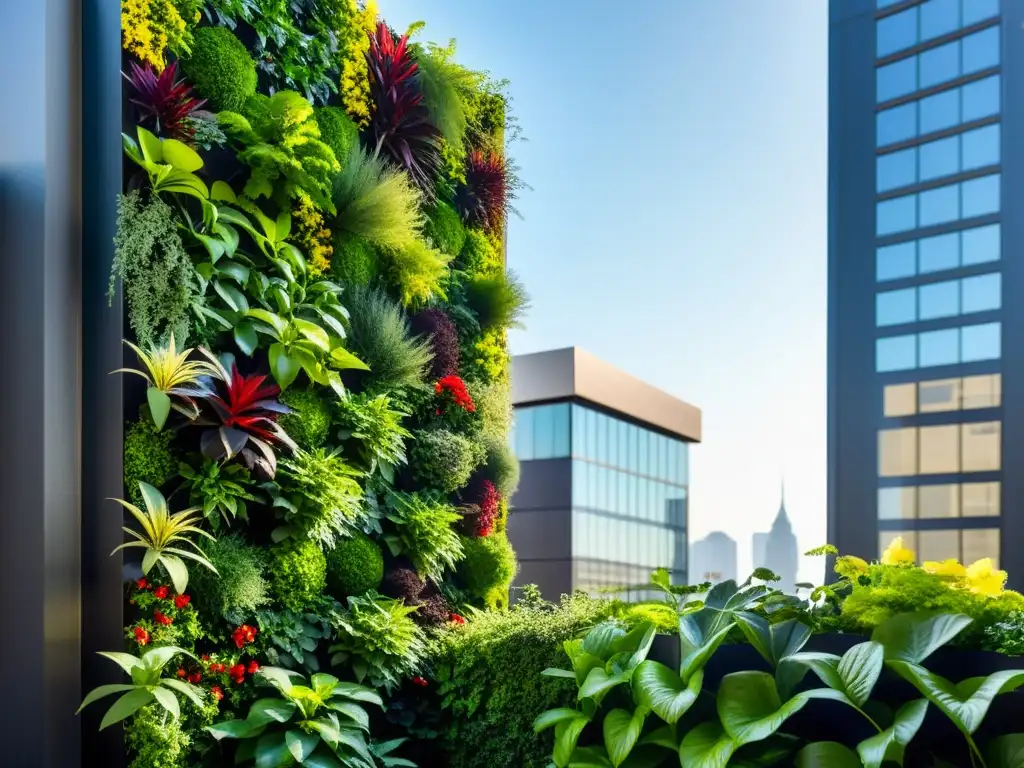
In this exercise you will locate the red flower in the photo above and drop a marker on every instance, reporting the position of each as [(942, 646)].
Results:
[(181, 672), (141, 636), (142, 584), (253, 668), (422, 683), (205, 657), (218, 668), (161, 593), (489, 509), (455, 387), (456, 619), (181, 601), (244, 635), (216, 692), (237, 673), (194, 678), (160, 618)]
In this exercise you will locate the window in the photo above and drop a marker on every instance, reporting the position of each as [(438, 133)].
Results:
[(896, 79), (980, 245), (968, 247), (940, 252), (978, 10), (938, 396), (542, 432), (938, 545), (981, 342), (896, 124), (939, 450), (895, 307), (970, 54), (896, 32), (938, 501), (981, 99), (896, 353), (944, 157), (980, 50), (981, 293), (981, 543), (524, 418), (895, 261), (980, 147), (949, 346), (939, 17), (899, 400), (897, 503), (896, 215), (980, 499), (939, 158), (981, 446), (939, 111), (897, 169), (980, 196), (976, 197), (982, 391), (939, 64), (938, 348), (939, 300), (897, 452), (943, 501), (937, 206)]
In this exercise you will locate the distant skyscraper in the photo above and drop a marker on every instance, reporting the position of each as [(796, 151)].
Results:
[(713, 559), (777, 550)]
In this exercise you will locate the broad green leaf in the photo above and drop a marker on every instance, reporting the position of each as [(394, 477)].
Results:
[(272, 751), (697, 656), (157, 658), (314, 333), (706, 746), (342, 359), (357, 692), (149, 560), (567, 733), (774, 642), (270, 710), (326, 760), (890, 743), (552, 672), (126, 706), (599, 682), (913, 637), (159, 406), (176, 570), (664, 692), (589, 757), (186, 689), (181, 156), (827, 754), (213, 246), (284, 368), (662, 737), (1006, 751), (353, 712), (237, 272), (553, 717), (152, 150), (283, 226), (859, 669), (168, 701), (131, 149), (103, 690), (221, 191), (235, 729), (301, 744), (276, 322), (621, 731), (245, 337), (231, 296), (125, 661), (824, 665), (965, 703)]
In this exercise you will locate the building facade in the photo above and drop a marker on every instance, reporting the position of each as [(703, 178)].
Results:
[(926, 111), (603, 496), (713, 559), (777, 550)]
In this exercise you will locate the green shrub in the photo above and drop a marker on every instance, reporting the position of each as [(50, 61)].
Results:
[(337, 130), (330, 502), (500, 465), (489, 679), (445, 228), (417, 272), (298, 573), (377, 427), (493, 403), (499, 300), (489, 568), (424, 533), (477, 254), (220, 68), (447, 87), (486, 358), (354, 566), (158, 741), (310, 420), (148, 457), (354, 261), (238, 586), (379, 638), (444, 460), (379, 334)]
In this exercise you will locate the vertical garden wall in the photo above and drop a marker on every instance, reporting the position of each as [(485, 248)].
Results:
[(310, 247)]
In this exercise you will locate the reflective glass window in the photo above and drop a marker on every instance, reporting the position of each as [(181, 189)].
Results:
[(941, 395), (896, 124), (899, 400), (940, 158), (895, 261), (896, 503), (981, 444), (591, 433), (897, 452), (981, 196), (938, 65), (939, 252), (981, 543), (896, 215), (981, 342), (980, 499), (981, 98), (603, 439), (980, 147), (981, 50), (939, 111), (896, 79), (978, 10), (982, 391), (896, 32), (578, 434), (937, 206), (896, 307), (896, 353), (939, 348), (939, 450), (544, 433), (562, 430), (939, 17), (981, 293), (524, 418), (980, 245), (939, 300), (938, 545), (938, 501), (885, 3), (897, 169)]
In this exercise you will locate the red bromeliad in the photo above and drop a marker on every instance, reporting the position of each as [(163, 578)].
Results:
[(483, 201), (165, 100)]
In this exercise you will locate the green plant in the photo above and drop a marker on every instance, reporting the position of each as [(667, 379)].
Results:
[(354, 566), (1006, 636), (219, 490), (164, 535), (353, 43), (157, 740), (298, 573), (150, 26), (416, 271), (337, 131), (478, 255), (147, 685), (445, 85), (310, 417), (499, 300), (220, 68), (320, 724), (170, 164), (239, 585), (500, 464), (159, 281), (377, 636), (377, 427), (424, 533), (493, 402), (489, 568), (148, 457), (290, 638), (445, 229), (379, 333), (328, 504), (355, 260), (486, 358), (443, 459), (282, 147)]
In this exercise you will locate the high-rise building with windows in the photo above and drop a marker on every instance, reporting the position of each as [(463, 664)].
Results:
[(603, 497), (926, 370), (713, 559)]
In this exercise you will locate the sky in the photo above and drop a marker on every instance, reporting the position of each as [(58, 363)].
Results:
[(676, 226)]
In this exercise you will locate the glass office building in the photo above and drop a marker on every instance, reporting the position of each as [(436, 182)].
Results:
[(603, 499), (925, 112)]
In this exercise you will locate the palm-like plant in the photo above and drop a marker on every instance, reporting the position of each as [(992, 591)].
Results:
[(164, 536), (146, 686), (169, 372)]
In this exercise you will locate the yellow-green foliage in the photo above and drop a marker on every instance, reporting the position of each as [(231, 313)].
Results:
[(310, 419), (478, 255), (487, 357), (354, 566), (311, 235), (488, 568), (354, 42), (445, 229), (298, 573), (220, 68), (337, 130), (493, 403), (416, 272), (149, 27), (147, 457)]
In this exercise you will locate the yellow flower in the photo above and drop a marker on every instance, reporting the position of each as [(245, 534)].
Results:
[(950, 568), (850, 566), (897, 554), (984, 579)]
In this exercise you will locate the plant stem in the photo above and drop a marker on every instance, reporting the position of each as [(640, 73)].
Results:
[(975, 751)]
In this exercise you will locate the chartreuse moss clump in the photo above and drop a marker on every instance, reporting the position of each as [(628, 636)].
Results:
[(148, 457), (310, 420), (239, 585), (337, 130), (488, 568), (354, 261), (354, 566), (298, 573), (445, 228), (220, 68)]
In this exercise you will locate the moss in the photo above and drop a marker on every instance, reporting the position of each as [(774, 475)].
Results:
[(445, 228), (444, 460), (355, 260), (354, 566), (337, 131), (147, 457), (298, 573), (221, 69), (238, 585), (310, 420), (477, 254), (488, 568)]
